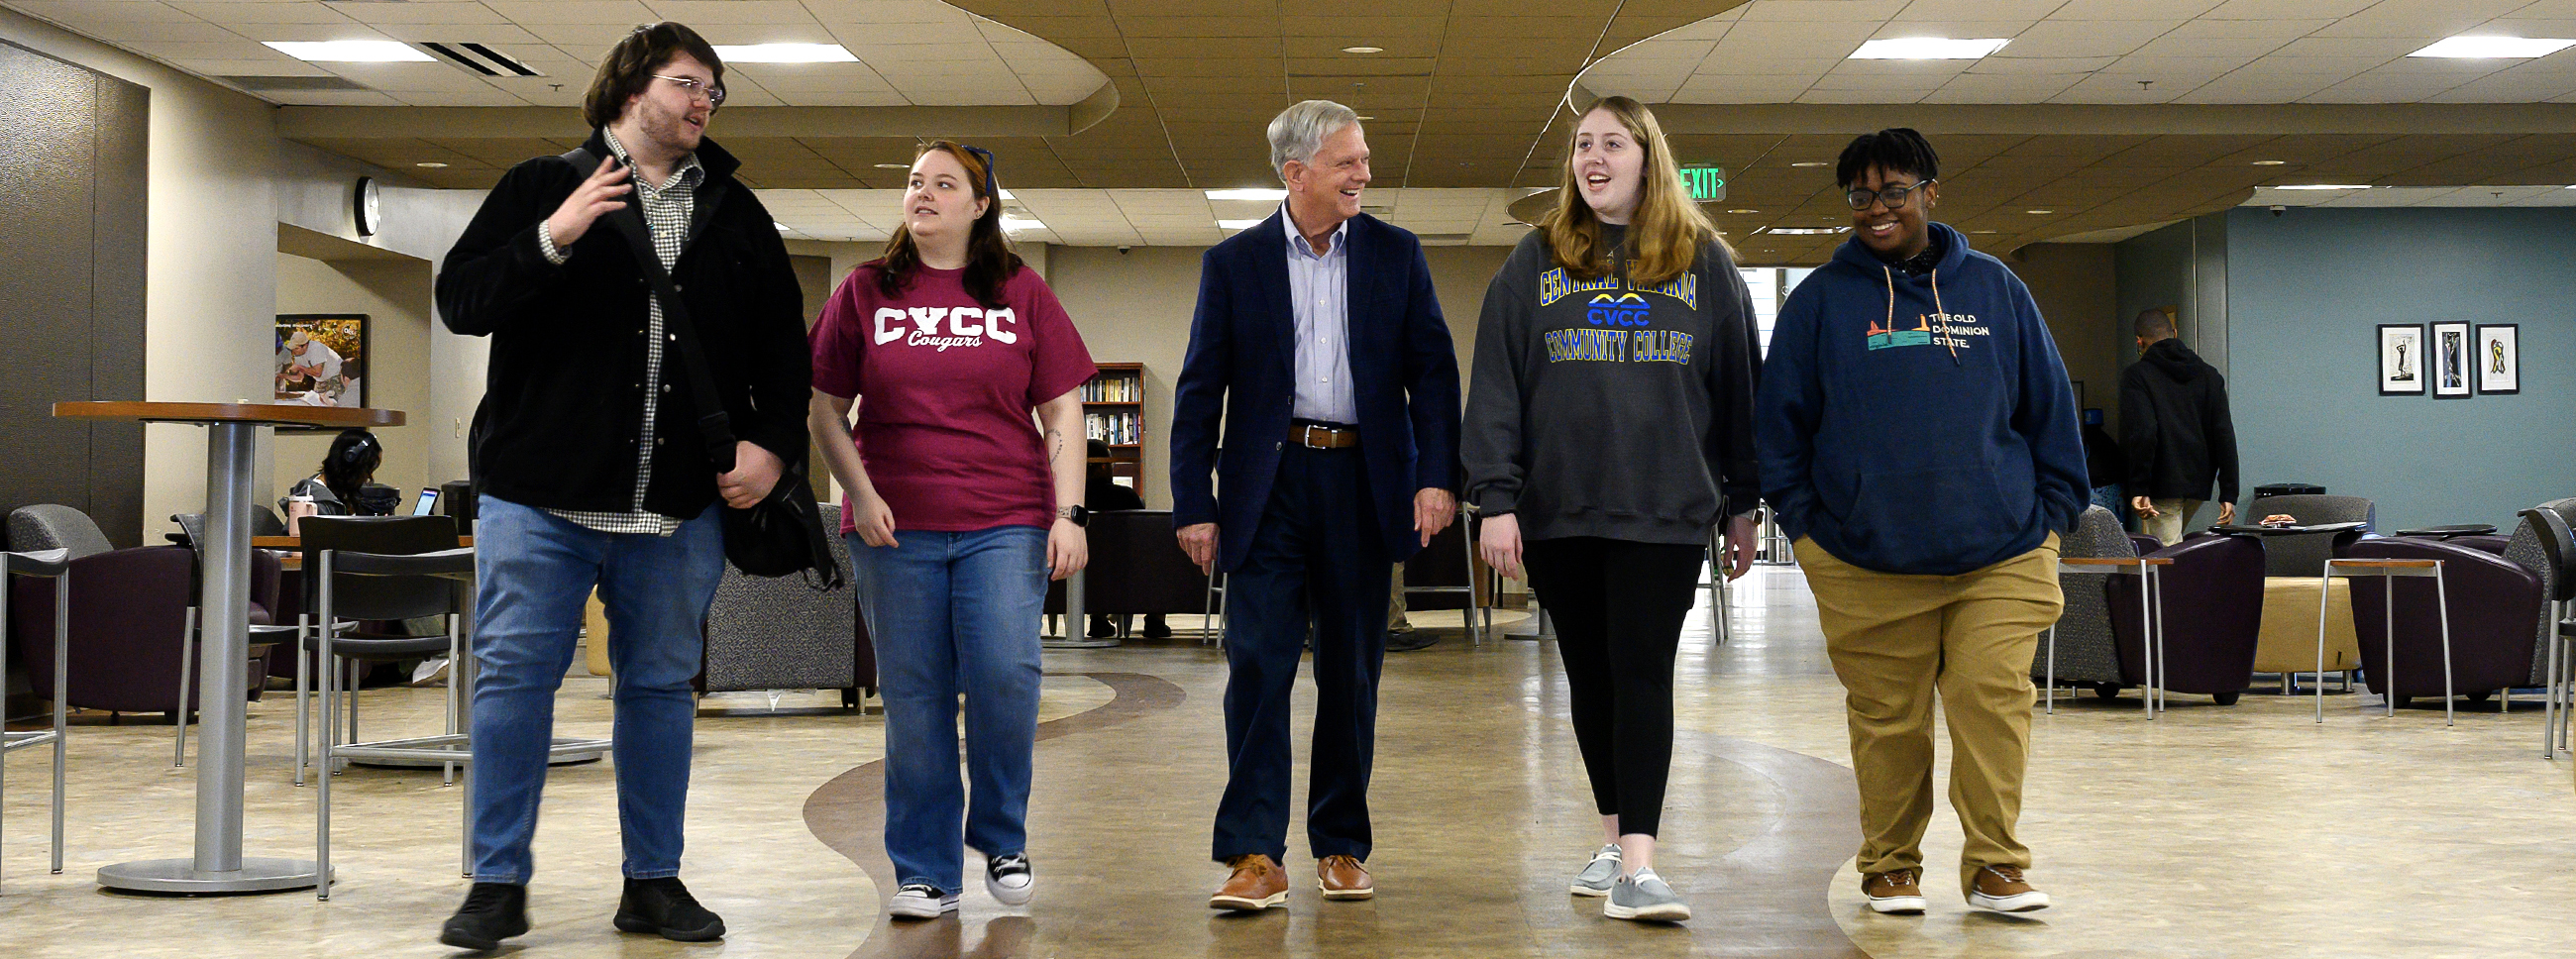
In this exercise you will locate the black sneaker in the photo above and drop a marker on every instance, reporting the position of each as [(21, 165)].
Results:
[(493, 911), (664, 908)]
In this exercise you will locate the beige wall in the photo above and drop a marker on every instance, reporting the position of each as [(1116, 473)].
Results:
[(395, 296), (1135, 307), (2077, 288)]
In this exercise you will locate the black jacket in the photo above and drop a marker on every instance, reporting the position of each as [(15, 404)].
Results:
[(2175, 427), (563, 401)]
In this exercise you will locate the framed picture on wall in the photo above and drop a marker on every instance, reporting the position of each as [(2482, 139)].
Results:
[(2451, 366), (322, 359), (2499, 358), (2401, 359)]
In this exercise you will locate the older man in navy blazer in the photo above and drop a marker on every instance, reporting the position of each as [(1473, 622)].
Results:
[(1319, 344)]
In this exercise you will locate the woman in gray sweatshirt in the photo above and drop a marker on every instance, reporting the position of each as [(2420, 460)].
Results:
[(1608, 429)]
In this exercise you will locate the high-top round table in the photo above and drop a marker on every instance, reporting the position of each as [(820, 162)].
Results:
[(231, 438)]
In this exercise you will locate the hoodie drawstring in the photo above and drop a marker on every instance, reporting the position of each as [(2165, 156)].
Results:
[(1947, 339)]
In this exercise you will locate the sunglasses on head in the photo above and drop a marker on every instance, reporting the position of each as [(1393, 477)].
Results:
[(992, 186)]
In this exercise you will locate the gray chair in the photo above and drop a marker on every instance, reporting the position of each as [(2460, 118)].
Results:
[(2548, 549), (2307, 555), (768, 633), (1445, 573), (2086, 651)]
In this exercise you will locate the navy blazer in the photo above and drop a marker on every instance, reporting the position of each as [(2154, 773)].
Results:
[(1242, 370)]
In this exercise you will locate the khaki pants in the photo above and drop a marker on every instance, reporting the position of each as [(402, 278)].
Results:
[(1894, 641), (2166, 525)]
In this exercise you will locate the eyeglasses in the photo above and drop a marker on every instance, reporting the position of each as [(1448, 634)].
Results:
[(1894, 196), (698, 89)]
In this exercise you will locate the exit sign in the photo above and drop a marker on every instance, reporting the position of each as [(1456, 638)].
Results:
[(1707, 183)]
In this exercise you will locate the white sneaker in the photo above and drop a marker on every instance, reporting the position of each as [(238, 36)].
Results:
[(1009, 879), (921, 900), (1644, 897)]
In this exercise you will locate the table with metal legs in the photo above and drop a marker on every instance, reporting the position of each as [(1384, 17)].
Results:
[(2151, 620), (2388, 570), (232, 439), (56, 564)]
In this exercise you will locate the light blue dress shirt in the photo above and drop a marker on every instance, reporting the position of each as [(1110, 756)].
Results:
[(1319, 295)]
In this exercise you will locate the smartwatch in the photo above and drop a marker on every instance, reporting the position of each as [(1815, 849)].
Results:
[(1079, 514)]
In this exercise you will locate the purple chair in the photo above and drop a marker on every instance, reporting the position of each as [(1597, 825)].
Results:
[(129, 617), (2212, 610), (2493, 604)]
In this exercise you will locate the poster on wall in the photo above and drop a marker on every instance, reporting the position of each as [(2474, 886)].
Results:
[(2401, 359), (2499, 359), (2451, 364), (321, 359)]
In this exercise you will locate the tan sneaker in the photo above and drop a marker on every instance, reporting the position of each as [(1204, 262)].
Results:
[(1257, 883), (1342, 877), (2002, 889), (1895, 892)]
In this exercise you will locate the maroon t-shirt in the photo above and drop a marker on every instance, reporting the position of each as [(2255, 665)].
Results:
[(945, 388)]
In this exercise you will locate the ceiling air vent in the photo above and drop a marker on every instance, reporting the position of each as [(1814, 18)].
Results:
[(322, 84), (482, 59)]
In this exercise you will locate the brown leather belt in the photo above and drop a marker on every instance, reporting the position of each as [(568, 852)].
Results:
[(1319, 437)]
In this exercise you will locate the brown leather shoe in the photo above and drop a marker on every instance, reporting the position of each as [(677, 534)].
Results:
[(1342, 877), (1895, 892), (2004, 889), (1257, 883)]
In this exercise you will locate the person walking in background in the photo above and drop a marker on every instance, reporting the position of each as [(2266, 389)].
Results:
[(1609, 427), (590, 466), (2176, 430), (959, 512), (1918, 438), (1318, 343)]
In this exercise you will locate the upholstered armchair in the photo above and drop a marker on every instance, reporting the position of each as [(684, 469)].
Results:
[(765, 633), (128, 618), (2494, 605), (2210, 604)]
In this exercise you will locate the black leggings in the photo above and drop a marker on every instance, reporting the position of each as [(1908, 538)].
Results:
[(1618, 608)]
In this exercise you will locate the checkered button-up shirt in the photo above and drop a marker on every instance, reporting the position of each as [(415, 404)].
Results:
[(667, 209)]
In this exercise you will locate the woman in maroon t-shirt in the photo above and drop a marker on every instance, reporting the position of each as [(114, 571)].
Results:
[(959, 511)]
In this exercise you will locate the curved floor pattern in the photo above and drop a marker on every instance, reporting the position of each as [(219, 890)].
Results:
[(1479, 813)]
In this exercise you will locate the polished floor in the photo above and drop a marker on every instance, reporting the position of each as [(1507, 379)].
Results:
[(2244, 831)]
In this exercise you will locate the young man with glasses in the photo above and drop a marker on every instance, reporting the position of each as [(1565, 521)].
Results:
[(1918, 437), (592, 473)]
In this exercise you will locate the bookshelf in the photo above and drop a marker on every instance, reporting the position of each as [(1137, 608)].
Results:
[(1113, 409)]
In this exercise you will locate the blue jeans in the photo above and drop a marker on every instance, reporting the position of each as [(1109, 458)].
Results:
[(955, 613), (535, 571)]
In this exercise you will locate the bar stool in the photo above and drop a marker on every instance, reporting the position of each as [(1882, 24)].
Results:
[(54, 564), (2388, 570), (2151, 619), (453, 747)]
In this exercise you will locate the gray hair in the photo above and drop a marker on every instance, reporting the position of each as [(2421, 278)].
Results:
[(1297, 132)]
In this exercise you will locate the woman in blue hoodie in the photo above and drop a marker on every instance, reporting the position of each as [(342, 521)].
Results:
[(1918, 438)]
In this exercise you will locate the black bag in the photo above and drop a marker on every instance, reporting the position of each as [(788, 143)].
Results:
[(783, 533)]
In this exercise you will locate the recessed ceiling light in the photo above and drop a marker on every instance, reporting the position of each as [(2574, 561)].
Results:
[(782, 228), (1806, 230), (1006, 194), (1367, 117), (1758, 211), (2269, 162), (2039, 212), (1264, 194), (1928, 48), (786, 53), (348, 51), (2325, 186), (1363, 49), (1016, 223), (431, 166), (1981, 231), (1237, 224), (1809, 163), (892, 166), (2493, 48)]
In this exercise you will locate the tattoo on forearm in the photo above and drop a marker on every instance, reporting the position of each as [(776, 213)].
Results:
[(1055, 444)]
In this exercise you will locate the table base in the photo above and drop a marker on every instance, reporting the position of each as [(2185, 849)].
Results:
[(181, 876)]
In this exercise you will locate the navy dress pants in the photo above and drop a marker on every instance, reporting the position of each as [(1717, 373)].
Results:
[(1318, 556)]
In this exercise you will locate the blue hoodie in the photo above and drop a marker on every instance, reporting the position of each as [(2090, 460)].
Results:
[(1918, 424)]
